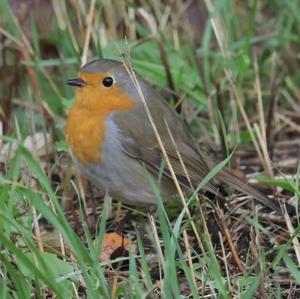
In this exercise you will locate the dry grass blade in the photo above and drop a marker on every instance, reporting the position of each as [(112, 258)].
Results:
[(193, 190), (12, 38), (288, 122), (263, 144), (254, 245), (262, 132), (157, 243), (225, 260), (62, 17), (88, 32), (260, 107), (221, 42), (189, 257), (290, 227), (160, 142), (37, 230), (61, 239)]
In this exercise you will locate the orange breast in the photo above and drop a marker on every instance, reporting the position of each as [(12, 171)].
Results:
[(85, 129), (85, 136)]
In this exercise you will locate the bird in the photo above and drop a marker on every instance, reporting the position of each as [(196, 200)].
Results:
[(115, 144)]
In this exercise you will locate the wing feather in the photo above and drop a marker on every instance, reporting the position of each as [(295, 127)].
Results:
[(152, 158)]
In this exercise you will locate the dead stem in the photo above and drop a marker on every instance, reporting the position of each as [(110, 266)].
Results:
[(227, 234)]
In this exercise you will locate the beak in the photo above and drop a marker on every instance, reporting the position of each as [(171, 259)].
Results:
[(76, 82)]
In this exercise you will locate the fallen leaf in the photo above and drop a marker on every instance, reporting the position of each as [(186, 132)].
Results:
[(111, 242)]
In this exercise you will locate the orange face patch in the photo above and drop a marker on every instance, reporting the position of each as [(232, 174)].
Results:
[(85, 129)]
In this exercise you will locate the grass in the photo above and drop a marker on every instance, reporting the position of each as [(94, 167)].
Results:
[(234, 77)]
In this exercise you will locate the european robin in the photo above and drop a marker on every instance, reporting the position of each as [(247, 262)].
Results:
[(113, 142)]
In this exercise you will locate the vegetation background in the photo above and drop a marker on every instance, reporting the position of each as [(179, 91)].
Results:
[(232, 69)]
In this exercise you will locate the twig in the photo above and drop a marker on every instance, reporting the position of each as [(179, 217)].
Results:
[(226, 231)]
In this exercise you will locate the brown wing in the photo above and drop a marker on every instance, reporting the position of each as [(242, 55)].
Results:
[(140, 142), (196, 169), (153, 159)]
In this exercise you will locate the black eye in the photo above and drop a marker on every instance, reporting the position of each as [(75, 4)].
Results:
[(108, 81)]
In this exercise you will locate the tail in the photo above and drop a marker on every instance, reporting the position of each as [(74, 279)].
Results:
[(242, 186)]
